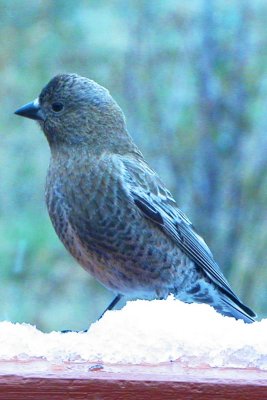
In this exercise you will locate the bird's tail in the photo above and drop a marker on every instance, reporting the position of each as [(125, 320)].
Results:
[(225, 302), (233, 307)]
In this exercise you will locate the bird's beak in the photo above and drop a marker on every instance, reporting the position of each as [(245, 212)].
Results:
[(31, 110)]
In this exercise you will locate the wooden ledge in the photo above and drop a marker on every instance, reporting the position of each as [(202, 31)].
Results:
[(39, 379)]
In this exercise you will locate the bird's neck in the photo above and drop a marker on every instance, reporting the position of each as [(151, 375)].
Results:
[(65, 158), (94, 145)]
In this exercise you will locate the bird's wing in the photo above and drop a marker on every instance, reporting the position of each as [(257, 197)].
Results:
[(156, 203)]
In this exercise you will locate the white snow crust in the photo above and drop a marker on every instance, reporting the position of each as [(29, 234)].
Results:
[(147, 332)]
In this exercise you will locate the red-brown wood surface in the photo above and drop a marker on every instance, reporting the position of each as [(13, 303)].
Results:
[(43, 380)]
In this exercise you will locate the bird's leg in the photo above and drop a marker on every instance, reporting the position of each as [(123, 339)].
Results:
[(111, 305)]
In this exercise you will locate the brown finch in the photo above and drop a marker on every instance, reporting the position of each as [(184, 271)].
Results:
[(112, 211)]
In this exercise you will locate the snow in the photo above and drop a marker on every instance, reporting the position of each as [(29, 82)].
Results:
[(147, 332)]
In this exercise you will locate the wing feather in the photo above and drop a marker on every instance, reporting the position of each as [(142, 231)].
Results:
[(156, 203)]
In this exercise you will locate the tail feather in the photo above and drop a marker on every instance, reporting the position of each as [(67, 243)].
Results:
[(233, 301), (222, 301), (238, 311)]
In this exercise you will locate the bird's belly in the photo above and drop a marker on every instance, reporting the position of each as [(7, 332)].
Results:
[(131, 256), (139, 263)]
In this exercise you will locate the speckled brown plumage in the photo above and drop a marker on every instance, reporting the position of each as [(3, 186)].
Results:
[(112, 212)]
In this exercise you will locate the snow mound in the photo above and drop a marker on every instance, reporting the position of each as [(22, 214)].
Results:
[(147, 332)]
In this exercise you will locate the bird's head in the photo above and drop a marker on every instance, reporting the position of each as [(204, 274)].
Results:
[(74, 110)]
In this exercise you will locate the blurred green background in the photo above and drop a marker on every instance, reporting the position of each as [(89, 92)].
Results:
[(191, 77)]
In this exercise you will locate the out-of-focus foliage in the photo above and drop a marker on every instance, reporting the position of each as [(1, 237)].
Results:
[(191, 77)]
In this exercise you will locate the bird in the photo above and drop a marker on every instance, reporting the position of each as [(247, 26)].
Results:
[(112, 211)]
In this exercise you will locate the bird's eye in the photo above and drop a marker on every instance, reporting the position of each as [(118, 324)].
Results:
[(57, 107)]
